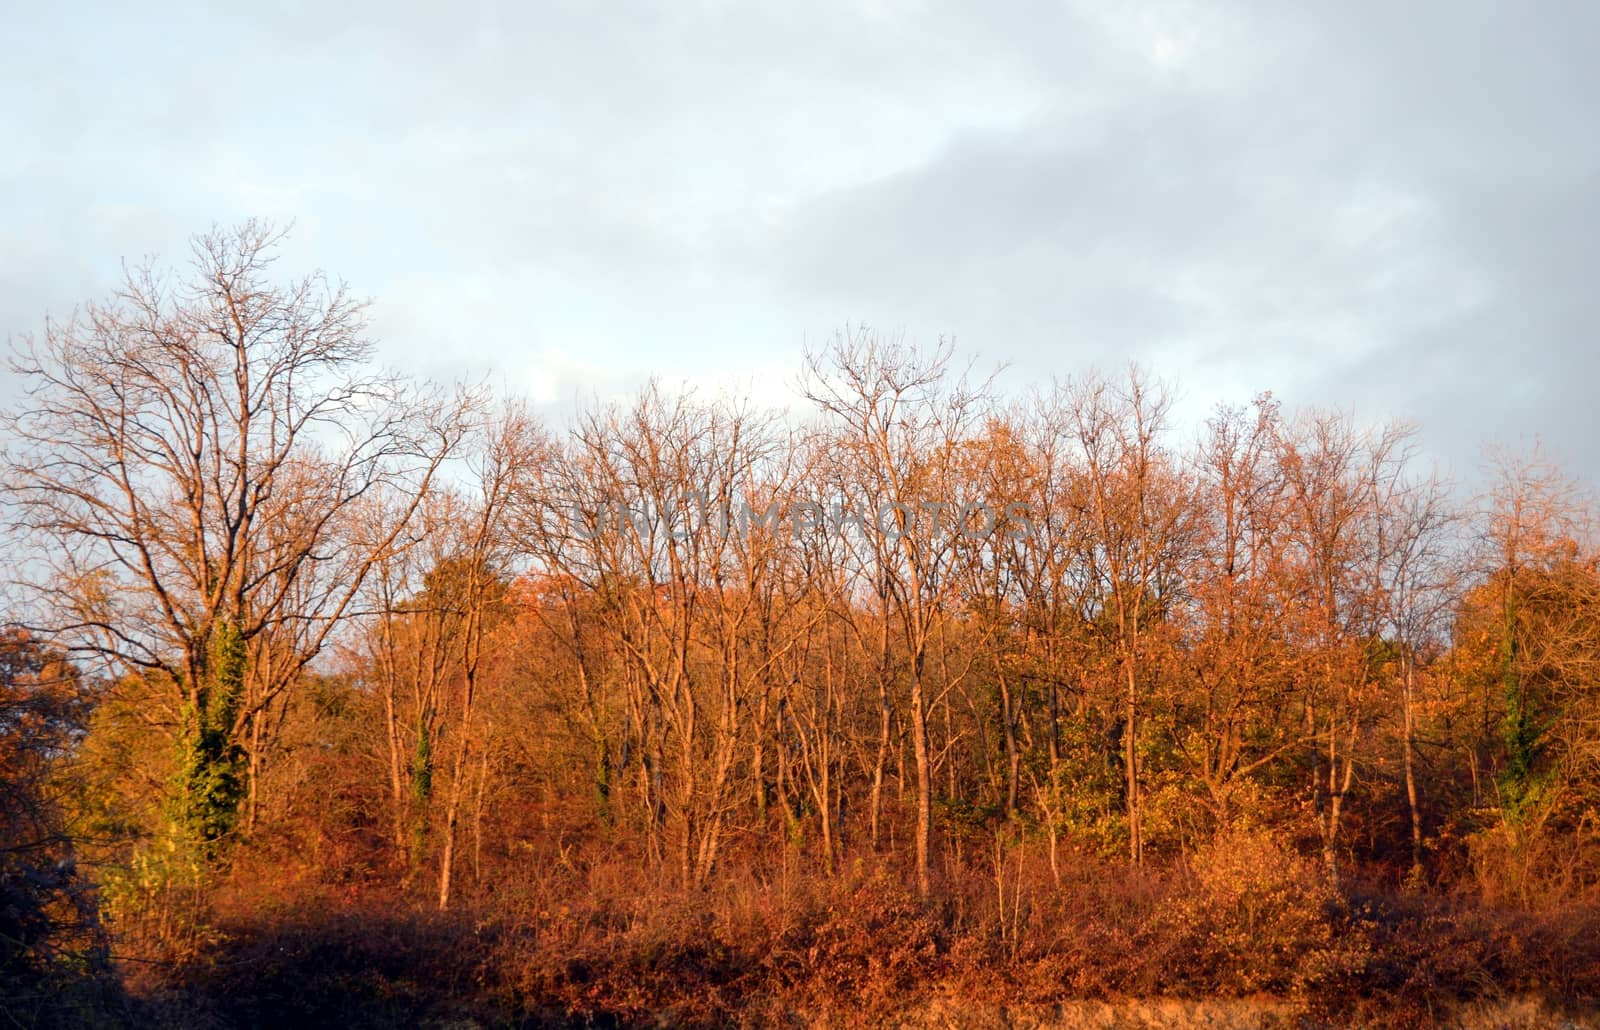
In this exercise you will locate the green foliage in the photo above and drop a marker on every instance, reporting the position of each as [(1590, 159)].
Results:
[(156, 900), (212, 784), (1083, 796), (1520, 732), (966, 817), (211, 764)]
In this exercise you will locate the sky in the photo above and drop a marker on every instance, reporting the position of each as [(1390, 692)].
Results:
[(1392, 209)]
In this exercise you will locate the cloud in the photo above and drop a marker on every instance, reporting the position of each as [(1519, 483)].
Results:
[(1359, 204)]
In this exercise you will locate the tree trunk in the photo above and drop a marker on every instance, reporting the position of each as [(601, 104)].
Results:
[(1411, 778), (1008, 720), (1130, 756), (878, 767), (919, 743)]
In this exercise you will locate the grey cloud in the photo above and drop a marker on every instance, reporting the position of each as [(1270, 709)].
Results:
[(1364, 204), (1394, 211)]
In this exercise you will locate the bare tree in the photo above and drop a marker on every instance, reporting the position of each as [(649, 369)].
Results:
[(900, 417), (1417, 582), (1338, 475), (1139, 507), (646, 517), (408, 653), (508, 453), (1238, 663), (190, 456)]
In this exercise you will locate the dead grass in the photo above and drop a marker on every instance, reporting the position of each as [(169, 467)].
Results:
[(1246, 933)]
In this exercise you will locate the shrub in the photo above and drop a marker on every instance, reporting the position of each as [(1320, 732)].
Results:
[(1260, 917)]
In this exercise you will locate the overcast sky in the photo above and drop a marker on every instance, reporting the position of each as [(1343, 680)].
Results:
[(1390, 208)]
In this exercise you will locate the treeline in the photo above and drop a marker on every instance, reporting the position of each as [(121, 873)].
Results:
[(362, 632)]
